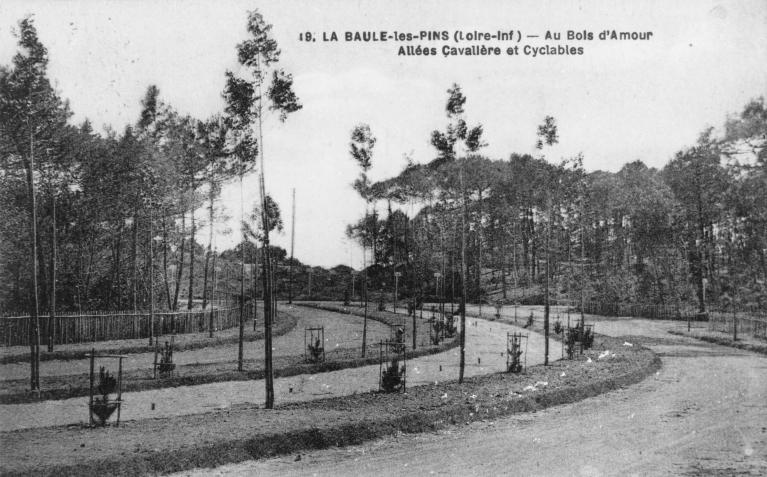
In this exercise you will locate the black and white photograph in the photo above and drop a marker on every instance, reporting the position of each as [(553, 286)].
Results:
[(383, 238)]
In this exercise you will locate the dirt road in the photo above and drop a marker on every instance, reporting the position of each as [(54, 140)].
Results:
[(485, 340), (704, 413)]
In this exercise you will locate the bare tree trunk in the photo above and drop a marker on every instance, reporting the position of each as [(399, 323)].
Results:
[(292, 246), (180, 261), (213, 296), (365, 287), (151, 282), (190, 301), (207, 253), (165, 261), (134, 260), (34, 339), (464, 275), (52, 315), (240, 342), (546, 294), (479, 255)]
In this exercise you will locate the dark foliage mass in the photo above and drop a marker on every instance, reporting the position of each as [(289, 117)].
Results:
[(691, 234)]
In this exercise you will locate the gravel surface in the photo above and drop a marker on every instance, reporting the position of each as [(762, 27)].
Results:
[(703, 413), (485, 340)]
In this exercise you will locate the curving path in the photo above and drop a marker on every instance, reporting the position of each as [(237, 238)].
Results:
[(485, 343), (703, 413)]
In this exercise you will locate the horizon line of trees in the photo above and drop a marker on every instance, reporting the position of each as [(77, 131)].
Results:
[(692, 234)]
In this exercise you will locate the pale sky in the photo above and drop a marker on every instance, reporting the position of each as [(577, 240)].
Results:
[(619, 101)]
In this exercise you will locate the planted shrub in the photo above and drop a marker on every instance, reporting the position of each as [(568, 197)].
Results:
[(571, 338), (515, 354), (316, 351), (102, 407), (558, 327), (399, 340), (529, 321), (392, 377), (166, 365), (437, 326), (107, 383), (587, 337), (450, 326)]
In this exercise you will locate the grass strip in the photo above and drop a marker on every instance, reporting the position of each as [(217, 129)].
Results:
[(724, 341)]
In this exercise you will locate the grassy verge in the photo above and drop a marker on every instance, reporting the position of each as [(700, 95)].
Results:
[(283, 324), (247, 432), (724, 340)]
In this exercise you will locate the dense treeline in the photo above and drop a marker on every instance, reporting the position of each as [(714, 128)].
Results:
[(110, 207), (691, 234)]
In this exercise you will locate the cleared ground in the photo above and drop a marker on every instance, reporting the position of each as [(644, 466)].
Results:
[(704, 413), (485, 340)]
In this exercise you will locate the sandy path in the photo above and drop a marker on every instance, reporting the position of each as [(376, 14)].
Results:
[(289, 344), (704, 413), (485, 343)]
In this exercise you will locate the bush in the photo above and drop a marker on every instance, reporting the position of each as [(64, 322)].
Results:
[(515, 353), (392, 377), (587, 338), (166, 366), (571, 337), (315, 351), (529, 321), (107, 384), (558, 327)]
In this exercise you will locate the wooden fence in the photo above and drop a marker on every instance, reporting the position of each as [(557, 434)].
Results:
[(654, 312), (117, 325), (748, 323)]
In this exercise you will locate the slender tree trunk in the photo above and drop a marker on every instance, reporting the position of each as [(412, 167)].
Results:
[(213, 297), (117, 281), (190, 300), (292, 246), (180, 261), (151, 281), (165, 261), (464, 275), (34, 339), (546, 308), (365, 288), (134, 264), (479, 254), (208, 252), (240, 342), (52, 315), (254, 261)]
